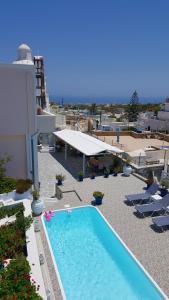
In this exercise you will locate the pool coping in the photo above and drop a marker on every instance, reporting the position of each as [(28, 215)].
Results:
[(116, 234)]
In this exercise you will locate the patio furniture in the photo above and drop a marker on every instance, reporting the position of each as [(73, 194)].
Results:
[(142, 197), (161, 222), (155, 207), (155, 197)]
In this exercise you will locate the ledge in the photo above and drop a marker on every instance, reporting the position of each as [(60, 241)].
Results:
[(32, 250)]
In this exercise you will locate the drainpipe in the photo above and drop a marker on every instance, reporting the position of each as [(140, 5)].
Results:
[(33, 156)]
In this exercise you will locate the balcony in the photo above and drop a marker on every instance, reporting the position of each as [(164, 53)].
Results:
[(46, 122)]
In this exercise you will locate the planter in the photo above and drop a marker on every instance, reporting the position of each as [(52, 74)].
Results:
[(115, 174), (98, 200), (92, 177), (127, 170), (106, 175), (25, 195), (59, 182), (37, 207), (80, 178), (7, 196), (163, 192), (58, 192)]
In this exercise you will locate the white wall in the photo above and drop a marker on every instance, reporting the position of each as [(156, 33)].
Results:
[(163, 115), (15, 146), (17, 99), (46, 122), (18, 123)]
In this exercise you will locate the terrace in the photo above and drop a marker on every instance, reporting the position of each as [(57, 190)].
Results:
[(149, 246), (130, 143)]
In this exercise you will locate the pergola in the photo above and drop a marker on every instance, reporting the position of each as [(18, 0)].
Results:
[(85, 144)]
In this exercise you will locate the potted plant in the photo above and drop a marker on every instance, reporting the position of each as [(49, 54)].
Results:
[(23, 189), (92, 176), (117, 170), (98, 197), (164, 186), (7, 188), (37, 204), (60, 178), (106, 172), (150, 178), (111, 169), (80, 176)]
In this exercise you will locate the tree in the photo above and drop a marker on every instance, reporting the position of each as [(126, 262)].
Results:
[(92, 108), (133, 107), (3, 161)]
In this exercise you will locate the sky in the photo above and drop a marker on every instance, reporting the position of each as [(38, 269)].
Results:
[(102, 48)]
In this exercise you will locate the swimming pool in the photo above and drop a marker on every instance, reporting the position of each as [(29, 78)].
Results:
[(91, 261)]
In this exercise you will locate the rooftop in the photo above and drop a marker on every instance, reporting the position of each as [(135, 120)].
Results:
[(129, 143)]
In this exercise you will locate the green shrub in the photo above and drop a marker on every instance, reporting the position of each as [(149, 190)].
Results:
[(16, 283), (3, 162), (12, 242), (80, 174), (7, 185), (165, 183), (23, 185), (35, 194), (15, 280), (12, 236), (11, 210), (60, 177), (98, 194)]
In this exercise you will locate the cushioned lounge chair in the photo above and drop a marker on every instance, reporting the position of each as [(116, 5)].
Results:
[(161, 221), (142, 197), (155, 207)]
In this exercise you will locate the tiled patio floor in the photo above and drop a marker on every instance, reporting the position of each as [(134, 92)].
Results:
[(150, 247)]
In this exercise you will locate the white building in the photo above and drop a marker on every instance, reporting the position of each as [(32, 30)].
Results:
[(20, 125), (46, 121), (148, 121), (18, 122)]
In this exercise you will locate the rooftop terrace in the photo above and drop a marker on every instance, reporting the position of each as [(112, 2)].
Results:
[(149, 247), (129, 143)]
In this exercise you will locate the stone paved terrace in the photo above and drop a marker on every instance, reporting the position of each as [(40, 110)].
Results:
[(150, 248), (129, 143)]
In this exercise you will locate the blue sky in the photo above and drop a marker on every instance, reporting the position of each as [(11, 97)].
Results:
[(92, 47)]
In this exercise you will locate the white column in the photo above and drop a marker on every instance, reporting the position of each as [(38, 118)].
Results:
[(84, 164), (65, 151)]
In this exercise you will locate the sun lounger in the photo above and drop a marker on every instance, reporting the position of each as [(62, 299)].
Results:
[(155, 207), (142, 197), (161, 221)]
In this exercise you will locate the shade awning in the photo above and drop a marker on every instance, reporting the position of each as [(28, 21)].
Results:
[(84, 143)]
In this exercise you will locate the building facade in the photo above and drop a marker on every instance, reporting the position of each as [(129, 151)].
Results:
[(18, 122)]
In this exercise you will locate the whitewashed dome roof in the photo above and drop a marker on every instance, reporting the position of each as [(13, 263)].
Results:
[(24, 47), (24, 55)]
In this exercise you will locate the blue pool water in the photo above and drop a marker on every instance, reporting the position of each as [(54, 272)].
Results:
[(92, 262)]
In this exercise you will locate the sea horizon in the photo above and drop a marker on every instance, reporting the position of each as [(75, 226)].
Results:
[(102, 100)]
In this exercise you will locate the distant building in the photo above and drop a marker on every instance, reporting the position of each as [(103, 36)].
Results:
[(148, 120)]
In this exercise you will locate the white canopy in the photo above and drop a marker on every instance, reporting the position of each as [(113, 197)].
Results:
[(86, 144)]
